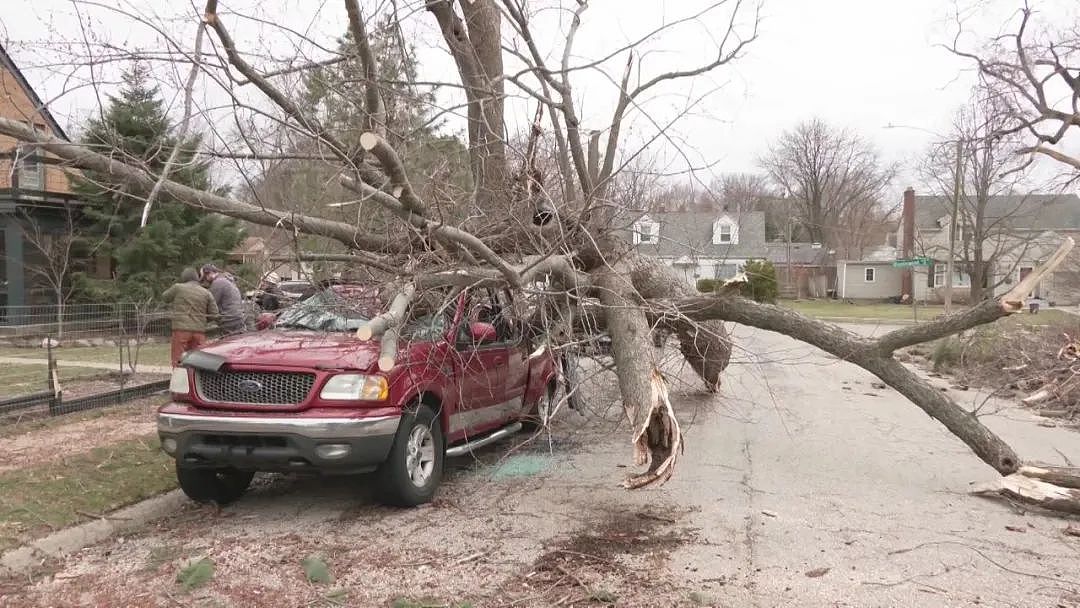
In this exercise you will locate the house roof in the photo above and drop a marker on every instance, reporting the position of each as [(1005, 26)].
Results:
[(9, 65), (803, 254), (1021, 212), (690, 233), (251, 245)]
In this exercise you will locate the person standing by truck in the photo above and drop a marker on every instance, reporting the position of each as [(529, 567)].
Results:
[(228, 298), (191, 307)]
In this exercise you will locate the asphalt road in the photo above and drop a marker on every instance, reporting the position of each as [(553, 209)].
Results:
[(801, 485)]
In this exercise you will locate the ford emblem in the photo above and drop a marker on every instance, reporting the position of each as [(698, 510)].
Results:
[(251, 386)]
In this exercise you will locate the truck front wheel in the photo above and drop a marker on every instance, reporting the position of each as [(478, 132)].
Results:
[(412, 472), (221, 486)]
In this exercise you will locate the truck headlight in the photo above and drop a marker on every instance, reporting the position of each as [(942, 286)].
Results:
[(178, 384), (355, 387)]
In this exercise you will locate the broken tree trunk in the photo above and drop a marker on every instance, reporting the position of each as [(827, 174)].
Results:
[(657, 438), (386, 327), (705, 345)]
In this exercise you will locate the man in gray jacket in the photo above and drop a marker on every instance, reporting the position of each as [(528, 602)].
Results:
[(227, 295)]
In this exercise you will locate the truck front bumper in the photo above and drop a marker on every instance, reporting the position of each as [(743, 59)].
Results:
[(275, 442)]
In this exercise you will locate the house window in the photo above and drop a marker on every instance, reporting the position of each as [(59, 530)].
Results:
[(726, 271), (725, 231), (31, 170), (939, 275), (646, 232), (869, 275)]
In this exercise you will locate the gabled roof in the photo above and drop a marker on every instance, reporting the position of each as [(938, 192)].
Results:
[(690, 233), (1020, 212), (802, 254), (8, 64)]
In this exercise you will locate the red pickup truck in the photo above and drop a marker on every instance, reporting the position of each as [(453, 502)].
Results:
[(307, 396)]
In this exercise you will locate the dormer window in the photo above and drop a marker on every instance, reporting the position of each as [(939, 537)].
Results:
[(646, 231), (725, 231)]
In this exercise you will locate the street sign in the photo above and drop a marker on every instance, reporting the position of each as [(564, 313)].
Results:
[(910, 262)]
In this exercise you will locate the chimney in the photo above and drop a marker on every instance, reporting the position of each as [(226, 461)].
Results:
[(908, 242)]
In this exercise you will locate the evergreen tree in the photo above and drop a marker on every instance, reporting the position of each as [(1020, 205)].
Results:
[(438, 163), (147, 260)]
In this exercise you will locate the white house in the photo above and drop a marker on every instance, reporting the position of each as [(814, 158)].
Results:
[(701, 244)]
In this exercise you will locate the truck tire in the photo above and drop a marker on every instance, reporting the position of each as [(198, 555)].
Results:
[(221, 486), (412, 472)]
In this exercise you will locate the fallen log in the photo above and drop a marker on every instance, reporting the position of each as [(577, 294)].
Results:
[(1028, 490), (395, 315), (1066, 477)]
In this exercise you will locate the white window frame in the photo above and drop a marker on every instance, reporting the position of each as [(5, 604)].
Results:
[(732, 231), (720, 232), (646, 233), (939, 275), (35, 169), (871, 272)]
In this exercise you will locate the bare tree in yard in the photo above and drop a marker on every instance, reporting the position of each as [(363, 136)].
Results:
[(835, 179), (502, 239), (54, 254), (1036, 70), (989, 235)]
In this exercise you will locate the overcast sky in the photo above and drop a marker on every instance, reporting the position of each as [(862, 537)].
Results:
[(859, 64)]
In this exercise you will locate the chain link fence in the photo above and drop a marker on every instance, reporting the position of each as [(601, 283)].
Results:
[(59, 359)]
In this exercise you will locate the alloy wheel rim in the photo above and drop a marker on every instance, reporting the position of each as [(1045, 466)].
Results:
[(420, 456)]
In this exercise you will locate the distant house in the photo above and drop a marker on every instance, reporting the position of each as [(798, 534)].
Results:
[(700, 244), (803, 270), (34, 191), (1024, 231)]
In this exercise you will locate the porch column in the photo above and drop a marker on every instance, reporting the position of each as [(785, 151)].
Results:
[(13, 260)]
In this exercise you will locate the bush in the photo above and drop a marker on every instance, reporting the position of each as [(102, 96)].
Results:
[(707, 285), (946, 354), (760, 281)]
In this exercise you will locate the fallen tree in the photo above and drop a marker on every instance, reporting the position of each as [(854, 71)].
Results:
[(569, 237)]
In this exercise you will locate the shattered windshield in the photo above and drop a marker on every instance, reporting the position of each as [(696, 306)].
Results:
[(326, 311)]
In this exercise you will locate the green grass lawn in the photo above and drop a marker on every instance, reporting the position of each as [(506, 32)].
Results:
[(37, 500), (18, 380), (835, 309), (149, 354)]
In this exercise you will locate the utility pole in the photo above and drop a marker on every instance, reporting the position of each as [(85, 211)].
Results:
[(952, 227)]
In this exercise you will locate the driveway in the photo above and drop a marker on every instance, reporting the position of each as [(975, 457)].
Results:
[(801, 485)]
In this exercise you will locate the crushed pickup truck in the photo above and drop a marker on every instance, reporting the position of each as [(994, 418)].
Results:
[(307, 395)]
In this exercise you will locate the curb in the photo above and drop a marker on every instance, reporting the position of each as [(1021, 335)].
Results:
[(69, 540)]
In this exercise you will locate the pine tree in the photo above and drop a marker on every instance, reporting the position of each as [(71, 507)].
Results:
[(147, 260)]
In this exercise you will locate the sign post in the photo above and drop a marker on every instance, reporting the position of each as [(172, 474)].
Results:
[(921, 260)]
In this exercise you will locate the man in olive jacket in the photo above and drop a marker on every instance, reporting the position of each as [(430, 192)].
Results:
[(191, 307)]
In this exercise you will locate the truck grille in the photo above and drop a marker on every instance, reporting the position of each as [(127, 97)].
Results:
[(258, 388)]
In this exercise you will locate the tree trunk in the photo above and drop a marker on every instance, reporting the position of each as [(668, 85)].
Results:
[(657, 438), (705, 345)]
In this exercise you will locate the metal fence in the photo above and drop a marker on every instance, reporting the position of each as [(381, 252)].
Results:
[(61, 359), (82, 321)]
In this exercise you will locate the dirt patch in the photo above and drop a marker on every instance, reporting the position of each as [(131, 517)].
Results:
[(620, 560), (52, 442)]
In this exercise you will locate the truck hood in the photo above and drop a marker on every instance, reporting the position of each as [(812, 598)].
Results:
[(297, 349)]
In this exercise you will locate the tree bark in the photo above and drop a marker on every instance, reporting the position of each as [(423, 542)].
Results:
[(657, 438)]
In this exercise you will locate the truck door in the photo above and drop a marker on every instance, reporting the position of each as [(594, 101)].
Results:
[(483, 402)]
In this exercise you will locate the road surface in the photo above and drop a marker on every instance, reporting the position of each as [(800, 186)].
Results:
[(801, 485)]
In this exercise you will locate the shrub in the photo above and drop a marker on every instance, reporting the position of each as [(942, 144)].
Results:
[(760, 281), (707, 285)]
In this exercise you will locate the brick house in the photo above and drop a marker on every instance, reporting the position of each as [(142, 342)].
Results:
[(35, 193)]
